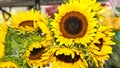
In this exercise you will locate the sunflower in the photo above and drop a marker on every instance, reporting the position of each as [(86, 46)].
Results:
[(26, 21), (2, 50), (8, 64), (95, 5), (100, 47), (74, 23), (34, 52), (45, 31), (64, 58), (3, 32)]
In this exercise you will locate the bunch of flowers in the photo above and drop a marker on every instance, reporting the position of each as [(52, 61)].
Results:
[(76, 38)]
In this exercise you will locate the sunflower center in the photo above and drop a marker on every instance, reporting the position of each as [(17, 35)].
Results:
[(68, 58), (73, 25), (99, 45), (36, 53), (26, 23)]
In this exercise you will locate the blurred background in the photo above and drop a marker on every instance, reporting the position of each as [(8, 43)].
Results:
[(47, 7)]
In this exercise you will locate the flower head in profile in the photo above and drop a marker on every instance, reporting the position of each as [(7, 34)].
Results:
[(101, 47), (65, 57), (26, 21)]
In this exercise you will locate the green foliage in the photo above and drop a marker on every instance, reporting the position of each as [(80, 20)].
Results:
[(118, 9), (49, 19), (17, 43), (114, 61)]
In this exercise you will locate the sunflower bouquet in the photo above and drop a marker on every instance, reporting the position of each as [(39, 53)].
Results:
[(76, 38)]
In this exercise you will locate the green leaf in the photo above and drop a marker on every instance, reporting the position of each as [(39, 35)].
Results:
[(19, 39), (117, 36), (114, 61), (118, 9), (37, 38)]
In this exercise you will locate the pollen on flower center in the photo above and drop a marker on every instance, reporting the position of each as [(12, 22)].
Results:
[(36, 53), (26, 23), (73, 25)]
